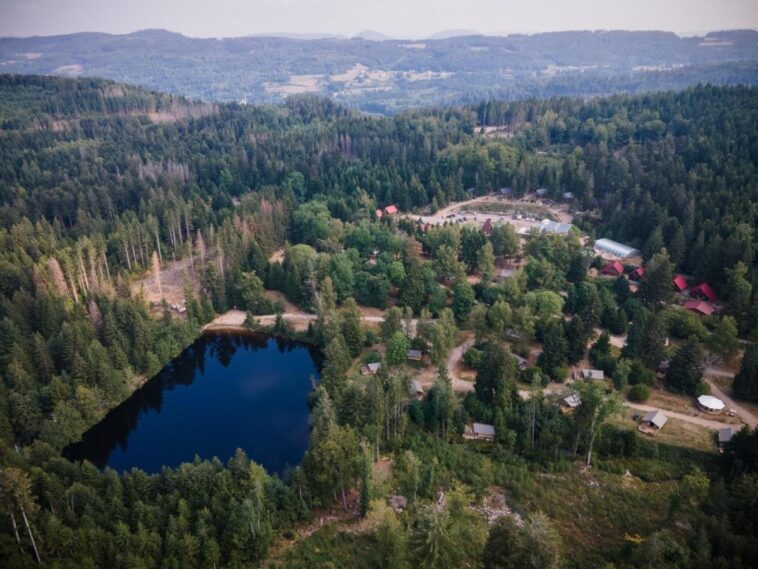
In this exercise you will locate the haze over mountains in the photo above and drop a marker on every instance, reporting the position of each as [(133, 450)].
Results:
[(379, 74)]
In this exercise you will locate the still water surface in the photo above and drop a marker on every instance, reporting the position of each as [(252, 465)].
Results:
[(224, 392)]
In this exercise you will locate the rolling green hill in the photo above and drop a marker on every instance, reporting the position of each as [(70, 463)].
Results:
[(385, 76)]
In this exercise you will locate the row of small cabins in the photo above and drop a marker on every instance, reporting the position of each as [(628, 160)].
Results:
[(650, 424), (700, 297), (372, 368), (653, 421)]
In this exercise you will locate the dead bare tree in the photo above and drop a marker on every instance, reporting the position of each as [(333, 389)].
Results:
[(157, 272)]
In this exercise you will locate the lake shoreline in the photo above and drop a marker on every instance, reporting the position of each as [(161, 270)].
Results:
[(270, 369)]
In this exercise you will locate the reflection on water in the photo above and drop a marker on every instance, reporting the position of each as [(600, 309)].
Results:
[(224, 392)]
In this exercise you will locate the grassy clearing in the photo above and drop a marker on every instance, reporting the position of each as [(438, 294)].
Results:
[(675, 433), (330, 547), (505, 208), (594, 511)]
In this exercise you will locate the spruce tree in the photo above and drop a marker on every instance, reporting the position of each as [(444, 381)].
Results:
[(745, 384), (685, 373)]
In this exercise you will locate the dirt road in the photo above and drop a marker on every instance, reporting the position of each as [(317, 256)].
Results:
[(730, 403), (708, 423), (459, 384), (441, 215), (236, 319), (228, 320)]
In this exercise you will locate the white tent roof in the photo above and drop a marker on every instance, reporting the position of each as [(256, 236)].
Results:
[(711, 402)]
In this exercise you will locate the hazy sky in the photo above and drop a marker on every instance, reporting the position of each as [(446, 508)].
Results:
[(402, 18)]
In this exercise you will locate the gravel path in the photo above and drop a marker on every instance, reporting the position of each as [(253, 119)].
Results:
[(456, 355), (730, 403), (708, 423)]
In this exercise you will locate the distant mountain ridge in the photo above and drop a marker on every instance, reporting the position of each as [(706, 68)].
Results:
[(377, 73)]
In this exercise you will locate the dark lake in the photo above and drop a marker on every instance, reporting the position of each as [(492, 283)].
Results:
[(224, 392)]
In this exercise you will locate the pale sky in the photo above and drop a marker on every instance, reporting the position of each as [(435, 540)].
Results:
[(399, 18)]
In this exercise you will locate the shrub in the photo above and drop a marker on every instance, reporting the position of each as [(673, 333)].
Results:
[(371, 357), (702, 388), (530, 373), (369, 338), (683, 324), (472, 358), (559, 374), (639, 393), (639, 374)]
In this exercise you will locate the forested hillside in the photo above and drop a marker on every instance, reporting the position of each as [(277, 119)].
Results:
[(392, 75), (102, 184), (674, 170)]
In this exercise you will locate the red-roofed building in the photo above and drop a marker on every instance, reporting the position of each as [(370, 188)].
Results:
[(614, 269), (703, 291), (390, 209), (680, 283), (379, 213), (637, 273), (700, 307), (487, 227)]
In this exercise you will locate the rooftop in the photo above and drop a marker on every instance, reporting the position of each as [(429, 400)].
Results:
[(483, 429), (549, 226), (699, 306), (614, 267), (657, 418), (726, 434), (710, 402), (595, 374), (573, 400), (616, 248), (705, 291)]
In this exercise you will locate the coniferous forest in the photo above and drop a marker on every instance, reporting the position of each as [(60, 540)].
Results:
[(104, 186)]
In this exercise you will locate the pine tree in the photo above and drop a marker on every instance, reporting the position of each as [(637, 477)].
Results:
[(685, 373), (350, 325), (745, 384), (397, 348), (655, 286), (576, 340), (554, 349)]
